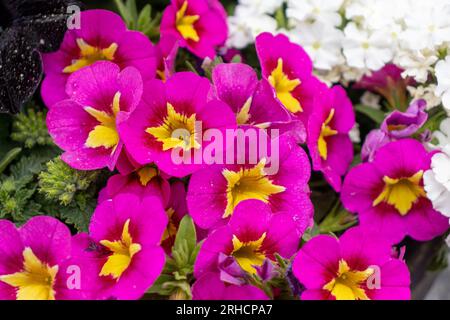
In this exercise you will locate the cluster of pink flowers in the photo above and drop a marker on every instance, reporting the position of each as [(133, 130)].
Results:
[(115, 101)]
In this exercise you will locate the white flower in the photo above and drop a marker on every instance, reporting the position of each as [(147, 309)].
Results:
[(365, 49), (443, 78), (263, 23), (428, 25), (427, 93), (371, 100), (443, 135), (417, 64), (437, 181), (245, 25), (324, 11), (240, 35), (262, 6), (329, 77), (377, 14), (355, 135), (323, 43)]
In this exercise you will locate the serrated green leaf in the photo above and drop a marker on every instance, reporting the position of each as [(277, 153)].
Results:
[(76, 216)]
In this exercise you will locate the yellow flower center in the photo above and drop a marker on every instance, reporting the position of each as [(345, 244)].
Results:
[(35, 281), (122, 250), (244, 114), (89, 55), (185, 23), (105, 134), (146, 174), (248, 254), (284, 87), (347, 284), (171, 229), (176, 131), (401, 193), (162, 75), (325, 132), (396, 127), (248, 184)]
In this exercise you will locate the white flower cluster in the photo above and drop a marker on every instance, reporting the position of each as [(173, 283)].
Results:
[(349, 38), (437, 179)]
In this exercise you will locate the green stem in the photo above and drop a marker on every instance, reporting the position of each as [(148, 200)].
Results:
[(8, 158)]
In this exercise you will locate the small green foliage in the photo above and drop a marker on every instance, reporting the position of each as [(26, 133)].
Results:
[(208, 66), (280, 17), (337, 220), (177, 274), (16, 202), (139, 20), (79, 212), (8, 158), (17, 190), (60, 183), (29, 129), (376, 115)]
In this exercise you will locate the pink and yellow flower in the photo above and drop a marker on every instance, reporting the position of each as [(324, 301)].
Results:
[(85, 125), (388, 193), (252, 235), (210, 287), (34, 261), (328, 135), (215, 191), (357, 266), (252, 100), (102, 36), (200, 25), (167, 108), (176, 209), (123, 247), (146, 181), (288, 68)]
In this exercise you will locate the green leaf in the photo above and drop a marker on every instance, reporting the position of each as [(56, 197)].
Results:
[(123, 10), (374, 114), (78, 214), (144, 17), (208, 65), (8, 158), (27, 167), (186, 235), (191, 67), (160, 287), (236, 59), (132, 9), (194, 254), (280, 17), (338, 220)]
